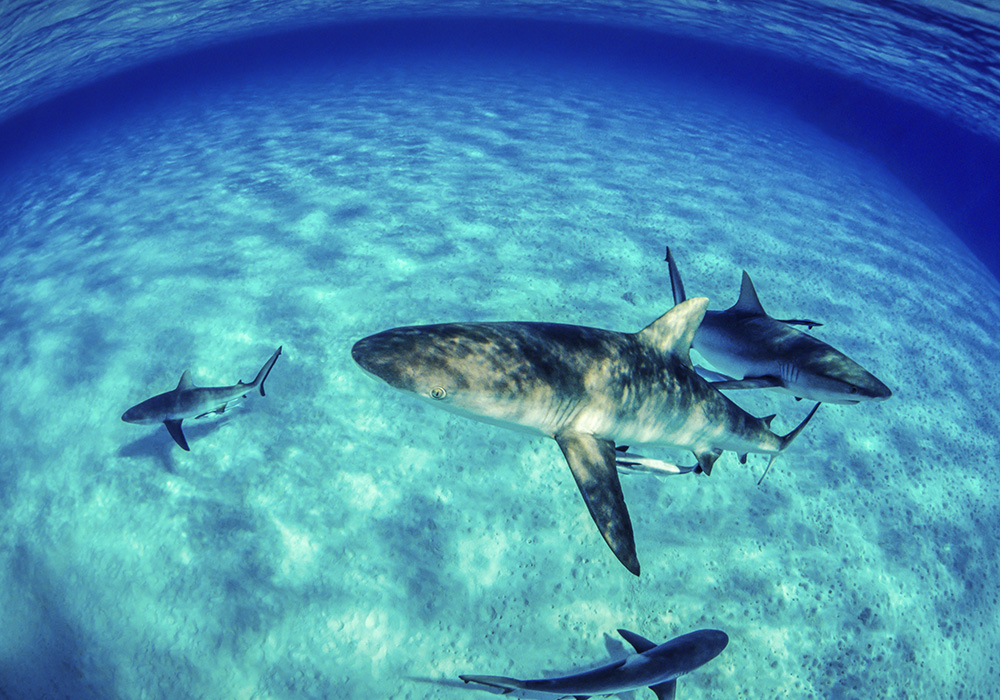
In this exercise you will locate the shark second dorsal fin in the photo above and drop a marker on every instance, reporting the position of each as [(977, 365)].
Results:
[(674, 330), (640, 644), (748, 302), (185, 382)]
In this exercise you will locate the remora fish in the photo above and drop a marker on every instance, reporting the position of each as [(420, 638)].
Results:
[(758, 351), (190, 401), (652, 666), (584, 387)]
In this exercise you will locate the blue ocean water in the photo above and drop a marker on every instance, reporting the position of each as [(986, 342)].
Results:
[(336, 539)]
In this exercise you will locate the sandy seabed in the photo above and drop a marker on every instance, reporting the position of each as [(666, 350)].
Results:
[(338, 539)]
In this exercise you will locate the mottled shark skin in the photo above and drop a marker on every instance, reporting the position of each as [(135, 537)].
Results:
[(189, 401), (754, 350), (587, 388), (654, 667)]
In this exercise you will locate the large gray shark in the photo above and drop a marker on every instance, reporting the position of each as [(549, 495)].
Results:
[(652, 666), (189, 401), (584, 387), (754, 350)]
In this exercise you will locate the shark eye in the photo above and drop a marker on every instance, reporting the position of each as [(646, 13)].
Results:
[(438, 393), (854, 389)]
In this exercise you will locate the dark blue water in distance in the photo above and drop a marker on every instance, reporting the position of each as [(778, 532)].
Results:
[(311, 181)]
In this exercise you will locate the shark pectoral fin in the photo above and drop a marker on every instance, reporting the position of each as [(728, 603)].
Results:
[(748, 383), (174, 428), (506, 684), (665, 691), (800, 322), (713, 376), (592, 462), (639, 643)]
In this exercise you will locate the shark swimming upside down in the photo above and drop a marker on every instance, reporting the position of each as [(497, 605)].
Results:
[(587, 388)]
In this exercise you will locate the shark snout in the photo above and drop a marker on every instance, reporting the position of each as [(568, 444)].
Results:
[(385, 356), (715, 641), (880, 392)]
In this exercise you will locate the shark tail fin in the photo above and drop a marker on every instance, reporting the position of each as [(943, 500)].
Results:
[(787, 440), (258, 381), (676, 286)]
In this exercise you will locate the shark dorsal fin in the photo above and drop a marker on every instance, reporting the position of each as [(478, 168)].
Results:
[(674, 330), (748, 301), (185, 382), (640, 644)]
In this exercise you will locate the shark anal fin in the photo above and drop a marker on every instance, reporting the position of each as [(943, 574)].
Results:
[(748, 383), (592, 462), (638, 642), (174, 428), (665, 691)]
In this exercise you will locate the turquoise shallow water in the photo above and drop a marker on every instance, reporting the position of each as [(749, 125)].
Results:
[(336, 539)]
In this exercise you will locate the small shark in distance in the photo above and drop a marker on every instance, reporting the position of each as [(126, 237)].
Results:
[(584, 387), (755, 350), (190, 401), (654, 666)]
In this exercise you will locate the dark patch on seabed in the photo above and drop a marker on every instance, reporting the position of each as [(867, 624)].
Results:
[(955, 170)]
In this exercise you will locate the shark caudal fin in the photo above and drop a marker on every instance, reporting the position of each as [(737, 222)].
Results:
[(258, 381), (676, 286), (787, 440)]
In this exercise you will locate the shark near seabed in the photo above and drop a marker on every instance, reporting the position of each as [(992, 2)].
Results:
[(189, 401), (585, 387), (654, 666), (763, 352)]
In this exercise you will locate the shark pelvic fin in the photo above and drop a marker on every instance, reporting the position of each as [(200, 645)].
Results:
[(676, 286), (674, 330), (174, 428), (185, 382), (748, 301), (706, 460), (639, 643), (592, 462), (665, 691)]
